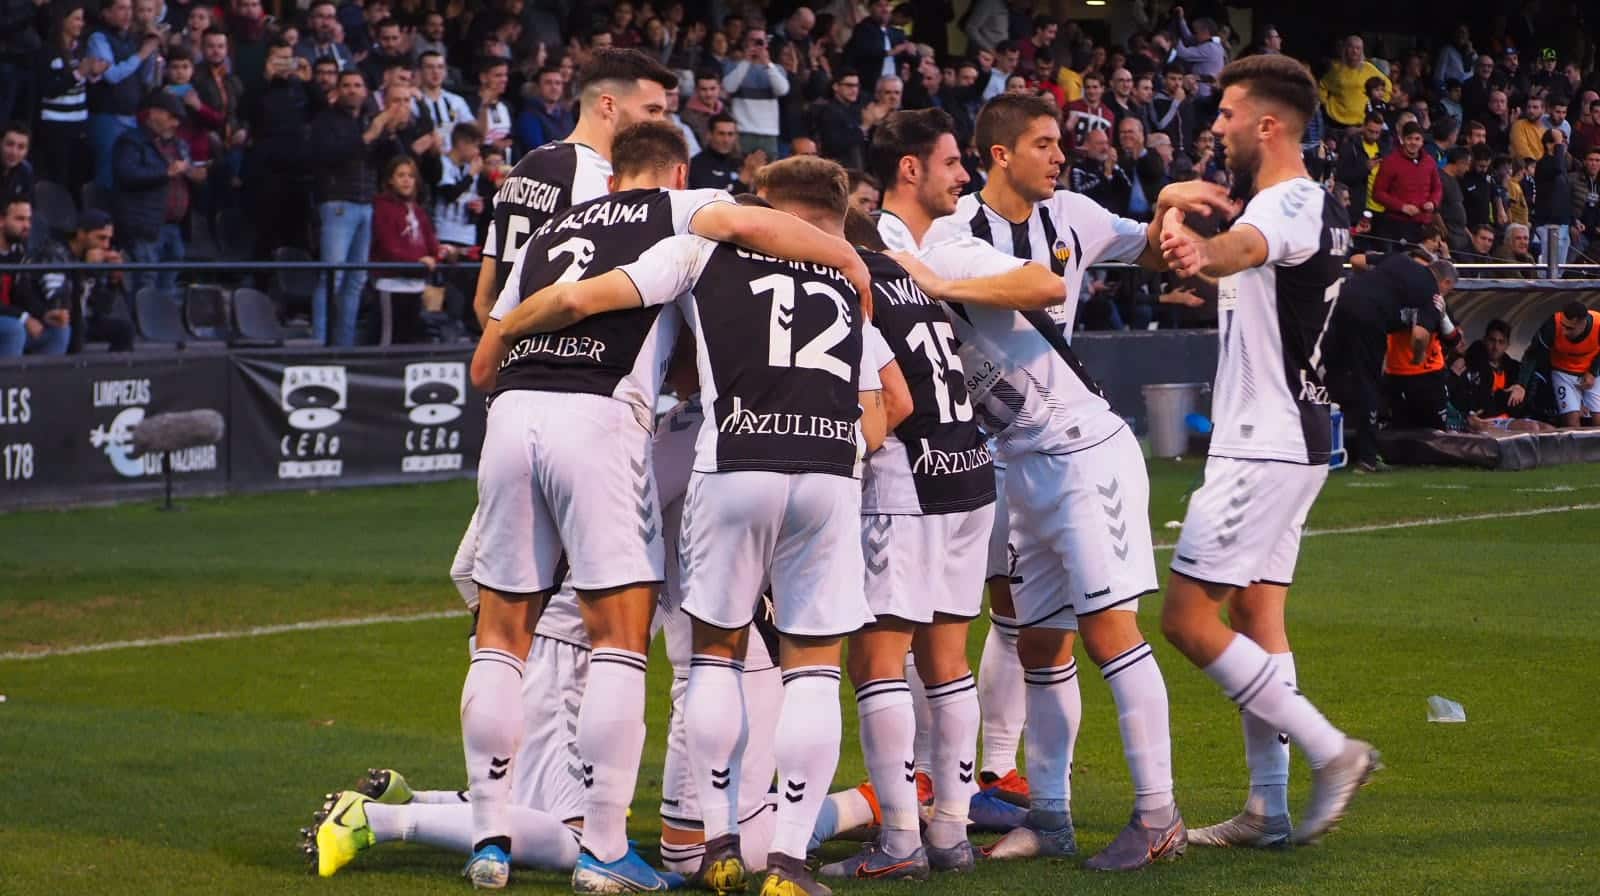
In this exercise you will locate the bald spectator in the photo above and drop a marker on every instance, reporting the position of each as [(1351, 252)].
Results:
[(1097, 175), (1344, 87), (1120, 98)]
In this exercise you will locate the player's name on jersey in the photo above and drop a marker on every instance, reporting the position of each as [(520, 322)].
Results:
[(525, 191), (606, 214), (746, 422), (934, 462), (802, 266), (556, 346), (902, 292)]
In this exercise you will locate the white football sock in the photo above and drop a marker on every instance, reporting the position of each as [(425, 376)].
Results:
[(922, 745), (887, 730), (683, 858), (763, 700), (438, 797), (1002, 698), (717, 729), (755, 837), (1266, 752), (808, 753), (611, 741), (1055, 713), (1141, 697), (1251, 678), (491, 727), (955, 747), (538, 839)]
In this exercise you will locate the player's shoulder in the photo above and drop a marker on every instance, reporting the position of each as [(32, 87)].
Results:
[(880, 265), (1077, 209), (546, 158)]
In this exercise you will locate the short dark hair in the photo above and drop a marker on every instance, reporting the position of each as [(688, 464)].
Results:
[(1041, 22), (624, 65), (390, 22), (1574, 310), (645, 145), (352, 72), (547, 70), (707, 74), (906, 133), (214, 29), (859, 177), (1456, 154), (5, 207), (426, 53), (1410, 128), (1374, 81), (328, 61), (1003, 120), (719, 118), (179, 53), (490, 63), (1276, 79), (1498, 326), (806, 180), (466, 132), (1481, 152), (1444, 127), (845, 71), (1472, 125), (1006, 46), (17, 127), (1094, 76), (1373, 117)]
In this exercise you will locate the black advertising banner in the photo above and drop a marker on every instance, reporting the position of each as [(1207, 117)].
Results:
[(318, 419), (66, 426)]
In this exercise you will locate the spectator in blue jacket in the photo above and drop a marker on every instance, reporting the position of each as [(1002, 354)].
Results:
[(152, 171), (544, 117)]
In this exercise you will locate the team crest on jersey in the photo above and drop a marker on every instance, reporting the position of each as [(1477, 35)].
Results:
[(1062, 251)]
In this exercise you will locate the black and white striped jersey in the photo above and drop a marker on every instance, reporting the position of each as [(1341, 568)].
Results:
[(622, 354), (936, 460), (545, 182), (1270, 402), (779, 349)]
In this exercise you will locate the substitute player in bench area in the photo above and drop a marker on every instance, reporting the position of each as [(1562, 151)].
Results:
[(1279, 272)]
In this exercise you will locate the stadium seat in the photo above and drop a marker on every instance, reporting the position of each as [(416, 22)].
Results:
[(255, 319), (158, 317), (205, 313), (54, 208), (94, 197), (292, 290)]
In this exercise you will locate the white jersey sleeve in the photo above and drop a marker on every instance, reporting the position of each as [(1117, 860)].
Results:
[(962, 257), (1275, 212), (688, 203), (511, 294), (875, 355), (1107, 237), (667, 269)]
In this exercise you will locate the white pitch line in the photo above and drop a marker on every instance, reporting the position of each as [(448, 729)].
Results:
[(324, 624), (312, 625)]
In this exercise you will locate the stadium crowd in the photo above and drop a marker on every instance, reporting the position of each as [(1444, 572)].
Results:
[(378, 131)]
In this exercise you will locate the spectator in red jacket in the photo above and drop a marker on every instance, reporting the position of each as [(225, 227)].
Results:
[(1408, 187), (403, 232)]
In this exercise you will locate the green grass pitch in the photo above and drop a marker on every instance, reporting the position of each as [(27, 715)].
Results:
[(187, 768)]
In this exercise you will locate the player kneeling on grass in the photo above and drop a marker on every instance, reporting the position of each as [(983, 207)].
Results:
[(774, 496), (1278, 268)]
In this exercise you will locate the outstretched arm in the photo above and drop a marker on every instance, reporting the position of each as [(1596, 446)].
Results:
[(1024, 288), (782, 235), (561, 305)]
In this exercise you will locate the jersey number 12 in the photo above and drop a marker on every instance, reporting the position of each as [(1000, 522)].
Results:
[(815, 353)]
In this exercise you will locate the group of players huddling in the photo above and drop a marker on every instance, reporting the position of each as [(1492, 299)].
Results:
[(871, 428)]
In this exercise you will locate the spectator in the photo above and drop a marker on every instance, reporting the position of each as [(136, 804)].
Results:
[(403, 232), (673, 98), (347, 146), (25, 328), (1042, 38), (445, 109), (1587, 133), (461, 189), (705, 103), (873, 46), (1482, 246), (1200, 51), (1516, 249), (200, 125), (92, 301), (1553, 204), (1452, 204), (219, 88), (865, 192), (1408, 188), (276, 117), (16, 172), (431, 36), (1510, 197), (1097, 175), (987, 23), (1586, 202), (1343, 88), (1450, 102), (836, 121), (1475, 92), (1088, 114), (803, 146), (19, 45), (1145, 170), (152, 173), (717, 167), (62, 138), (321, 37), (1478, 188), (120, 54), (1527, 132), (1413, 366), (389, 50), (1359, 157), (1497, 123), (247, 32), (1121, 97), (886, 101), (1454, 58), (545, 117), (1171, 111), (754, 85)]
